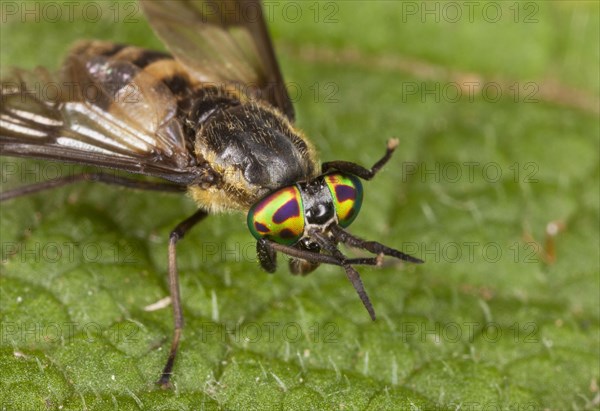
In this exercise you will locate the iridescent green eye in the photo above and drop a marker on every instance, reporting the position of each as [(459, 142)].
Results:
[(347, 194), (278, 217)]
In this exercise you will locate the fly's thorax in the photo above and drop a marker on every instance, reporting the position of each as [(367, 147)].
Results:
[(255, 151)]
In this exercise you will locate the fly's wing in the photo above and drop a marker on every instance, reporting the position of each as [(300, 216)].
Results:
[(222, 42), (99, 112)]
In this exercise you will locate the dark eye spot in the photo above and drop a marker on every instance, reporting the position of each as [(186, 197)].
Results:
[(344, 193), (350, 214), (286, 233), (288, 210), (261, 228)]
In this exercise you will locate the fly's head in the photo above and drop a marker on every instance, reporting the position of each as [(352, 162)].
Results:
[(304, 215), (307, 221)]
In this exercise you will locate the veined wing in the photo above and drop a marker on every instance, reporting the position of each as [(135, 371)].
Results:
[(222, 42), (104, 112)]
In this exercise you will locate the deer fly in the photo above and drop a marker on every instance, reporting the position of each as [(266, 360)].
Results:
[(211, 118)]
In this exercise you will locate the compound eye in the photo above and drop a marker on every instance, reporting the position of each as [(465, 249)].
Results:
[(347, 194), (278, 217)]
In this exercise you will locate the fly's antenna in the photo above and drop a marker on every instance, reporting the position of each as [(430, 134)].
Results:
[(358, 170)]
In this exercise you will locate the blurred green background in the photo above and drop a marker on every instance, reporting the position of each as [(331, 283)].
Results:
[(496, 108)]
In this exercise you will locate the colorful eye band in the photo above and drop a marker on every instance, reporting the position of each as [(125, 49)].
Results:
[(278, 217), (347, 194)]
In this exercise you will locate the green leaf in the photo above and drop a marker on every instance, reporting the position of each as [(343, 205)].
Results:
[(489, 321)]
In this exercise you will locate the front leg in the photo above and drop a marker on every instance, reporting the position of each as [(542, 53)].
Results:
[(267, 256), (177, 234), (312, 256)]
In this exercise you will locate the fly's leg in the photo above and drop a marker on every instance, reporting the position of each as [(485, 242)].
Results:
[(177, 234), (358, 170), (266, 256), (312, 256), (372, 246), (99, 177)]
